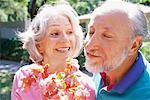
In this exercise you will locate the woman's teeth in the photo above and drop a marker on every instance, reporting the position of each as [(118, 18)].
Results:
[(63, 50)]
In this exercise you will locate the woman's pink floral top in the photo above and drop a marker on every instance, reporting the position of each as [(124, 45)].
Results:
[(32, 82)]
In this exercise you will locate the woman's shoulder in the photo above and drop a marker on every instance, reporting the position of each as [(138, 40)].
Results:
[(26, 70), (24, 85)]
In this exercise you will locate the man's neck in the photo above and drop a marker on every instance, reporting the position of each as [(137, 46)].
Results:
[(117, 74)]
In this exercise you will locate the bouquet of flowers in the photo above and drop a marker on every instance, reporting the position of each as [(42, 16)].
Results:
[(59, 85)]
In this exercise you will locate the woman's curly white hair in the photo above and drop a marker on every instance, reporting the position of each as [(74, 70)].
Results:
[(39, 25)]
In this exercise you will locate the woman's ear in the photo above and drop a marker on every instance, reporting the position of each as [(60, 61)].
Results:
[(136, 44), (40, 47)]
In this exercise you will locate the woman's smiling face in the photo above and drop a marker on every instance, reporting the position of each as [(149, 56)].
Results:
[(59, 42)]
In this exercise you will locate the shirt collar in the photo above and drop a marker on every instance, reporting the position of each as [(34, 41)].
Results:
[(132, 75)]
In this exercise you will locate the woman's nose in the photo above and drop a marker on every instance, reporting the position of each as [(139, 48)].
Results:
[(65, 38)]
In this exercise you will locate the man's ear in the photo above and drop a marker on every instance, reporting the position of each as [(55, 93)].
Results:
[(136, 44), (40, 47)]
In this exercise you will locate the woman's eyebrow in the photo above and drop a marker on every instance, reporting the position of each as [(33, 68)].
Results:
[(54, 24)]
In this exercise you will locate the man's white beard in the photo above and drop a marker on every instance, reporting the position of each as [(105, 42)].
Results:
[(94, 68), (108, 66)]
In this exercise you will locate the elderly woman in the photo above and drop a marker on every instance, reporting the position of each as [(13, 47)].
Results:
[(53, 36)]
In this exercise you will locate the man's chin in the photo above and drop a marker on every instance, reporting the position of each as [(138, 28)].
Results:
[(93, 68)]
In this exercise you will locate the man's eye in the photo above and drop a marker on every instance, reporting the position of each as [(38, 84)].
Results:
[(91, 33), (107, 36)]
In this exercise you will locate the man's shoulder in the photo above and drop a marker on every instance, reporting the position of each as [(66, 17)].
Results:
[(142, 85), (144, 79), (84, 77)]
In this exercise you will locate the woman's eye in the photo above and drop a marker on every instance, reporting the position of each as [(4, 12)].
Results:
[(69, 32), (54, 34)]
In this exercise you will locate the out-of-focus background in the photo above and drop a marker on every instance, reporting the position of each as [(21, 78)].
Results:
[(15, 15)]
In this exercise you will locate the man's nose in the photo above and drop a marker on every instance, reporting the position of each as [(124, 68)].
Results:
[(92, 43)]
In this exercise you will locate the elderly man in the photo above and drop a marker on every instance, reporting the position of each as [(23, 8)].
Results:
[(116, 32)]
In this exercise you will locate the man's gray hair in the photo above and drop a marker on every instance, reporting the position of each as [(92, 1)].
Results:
[(139, 22), (37, 30)]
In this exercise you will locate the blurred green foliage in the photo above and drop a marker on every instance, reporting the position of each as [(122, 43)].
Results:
[(5, 85), (146, 50), (81, 59), (11, 49), (18, 10), (13, 10)]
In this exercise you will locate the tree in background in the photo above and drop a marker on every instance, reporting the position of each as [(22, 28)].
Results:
[(144, 2), (13, 10), (81, 6), (20, 10), (33, 6)]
